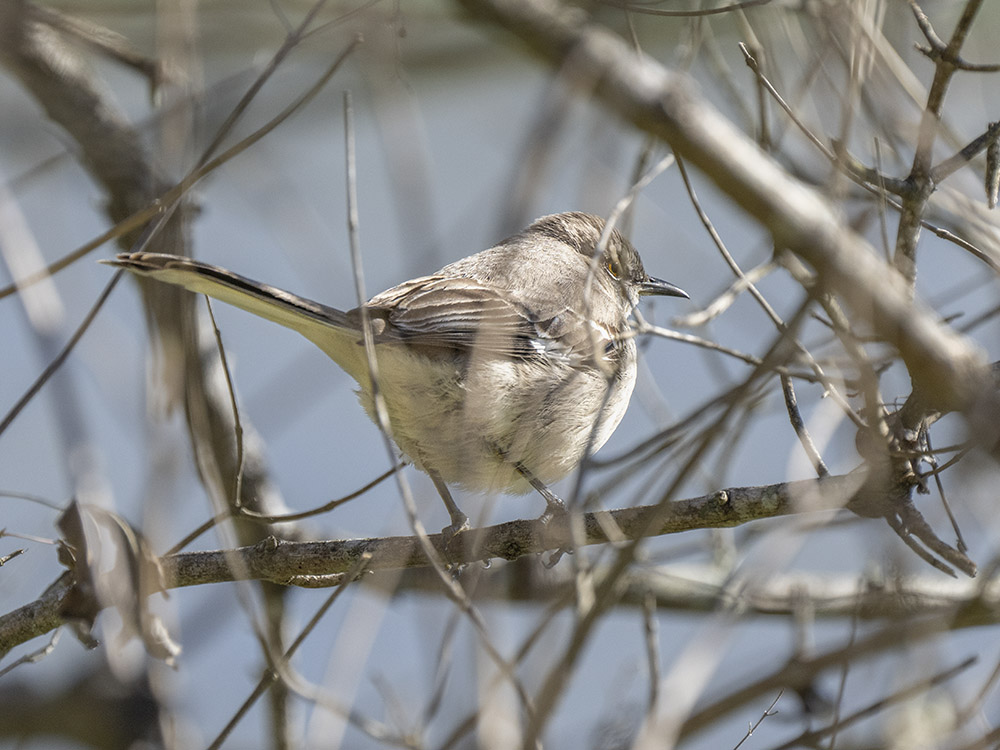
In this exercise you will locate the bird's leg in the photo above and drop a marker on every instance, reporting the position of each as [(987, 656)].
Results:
[(554, 506), (459, 521)]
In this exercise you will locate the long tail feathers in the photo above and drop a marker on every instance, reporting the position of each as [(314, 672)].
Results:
[(327, 327)]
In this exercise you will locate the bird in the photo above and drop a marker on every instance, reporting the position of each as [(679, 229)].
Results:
[(500, 373)]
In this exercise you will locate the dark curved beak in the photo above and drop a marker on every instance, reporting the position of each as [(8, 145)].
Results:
[(661, 288)]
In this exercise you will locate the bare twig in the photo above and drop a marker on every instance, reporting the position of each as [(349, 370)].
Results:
[(975, 147), (795, 417), (270, 518), (939, 51), (34, 656), (652, 631), (875, 182), (914, 203), (812, 738), (278, 667), (57, 362), (768, 712), (643, 9)]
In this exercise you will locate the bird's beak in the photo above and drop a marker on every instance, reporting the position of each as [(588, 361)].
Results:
[(661, 288)]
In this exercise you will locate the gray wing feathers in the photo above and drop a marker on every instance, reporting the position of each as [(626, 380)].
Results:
[(457, 314), (468, 314)]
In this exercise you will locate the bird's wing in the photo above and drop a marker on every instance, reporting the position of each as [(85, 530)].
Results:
[(465, 314)]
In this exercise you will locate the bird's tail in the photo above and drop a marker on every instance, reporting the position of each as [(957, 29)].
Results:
[(327, 327)]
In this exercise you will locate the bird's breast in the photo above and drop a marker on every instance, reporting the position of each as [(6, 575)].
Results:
[(474, 420)]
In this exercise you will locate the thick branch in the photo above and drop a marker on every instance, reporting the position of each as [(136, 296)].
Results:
[(322, 563)]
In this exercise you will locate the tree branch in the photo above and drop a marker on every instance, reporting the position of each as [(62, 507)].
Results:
[(323, 563)]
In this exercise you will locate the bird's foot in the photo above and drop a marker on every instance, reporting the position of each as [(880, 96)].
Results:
[(459, 523), (555, 509), (555, 556)]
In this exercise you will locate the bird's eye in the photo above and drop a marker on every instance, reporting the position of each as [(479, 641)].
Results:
[(613, 268)]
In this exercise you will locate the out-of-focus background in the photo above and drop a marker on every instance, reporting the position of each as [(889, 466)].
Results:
[(463, 137)]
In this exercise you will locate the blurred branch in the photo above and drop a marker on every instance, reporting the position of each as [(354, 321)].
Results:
[(112, 45), (813, 737), (646, 9), (800, 671), (710, 588)]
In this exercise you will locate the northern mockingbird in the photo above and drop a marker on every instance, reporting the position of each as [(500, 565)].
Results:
[(500, 372)]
